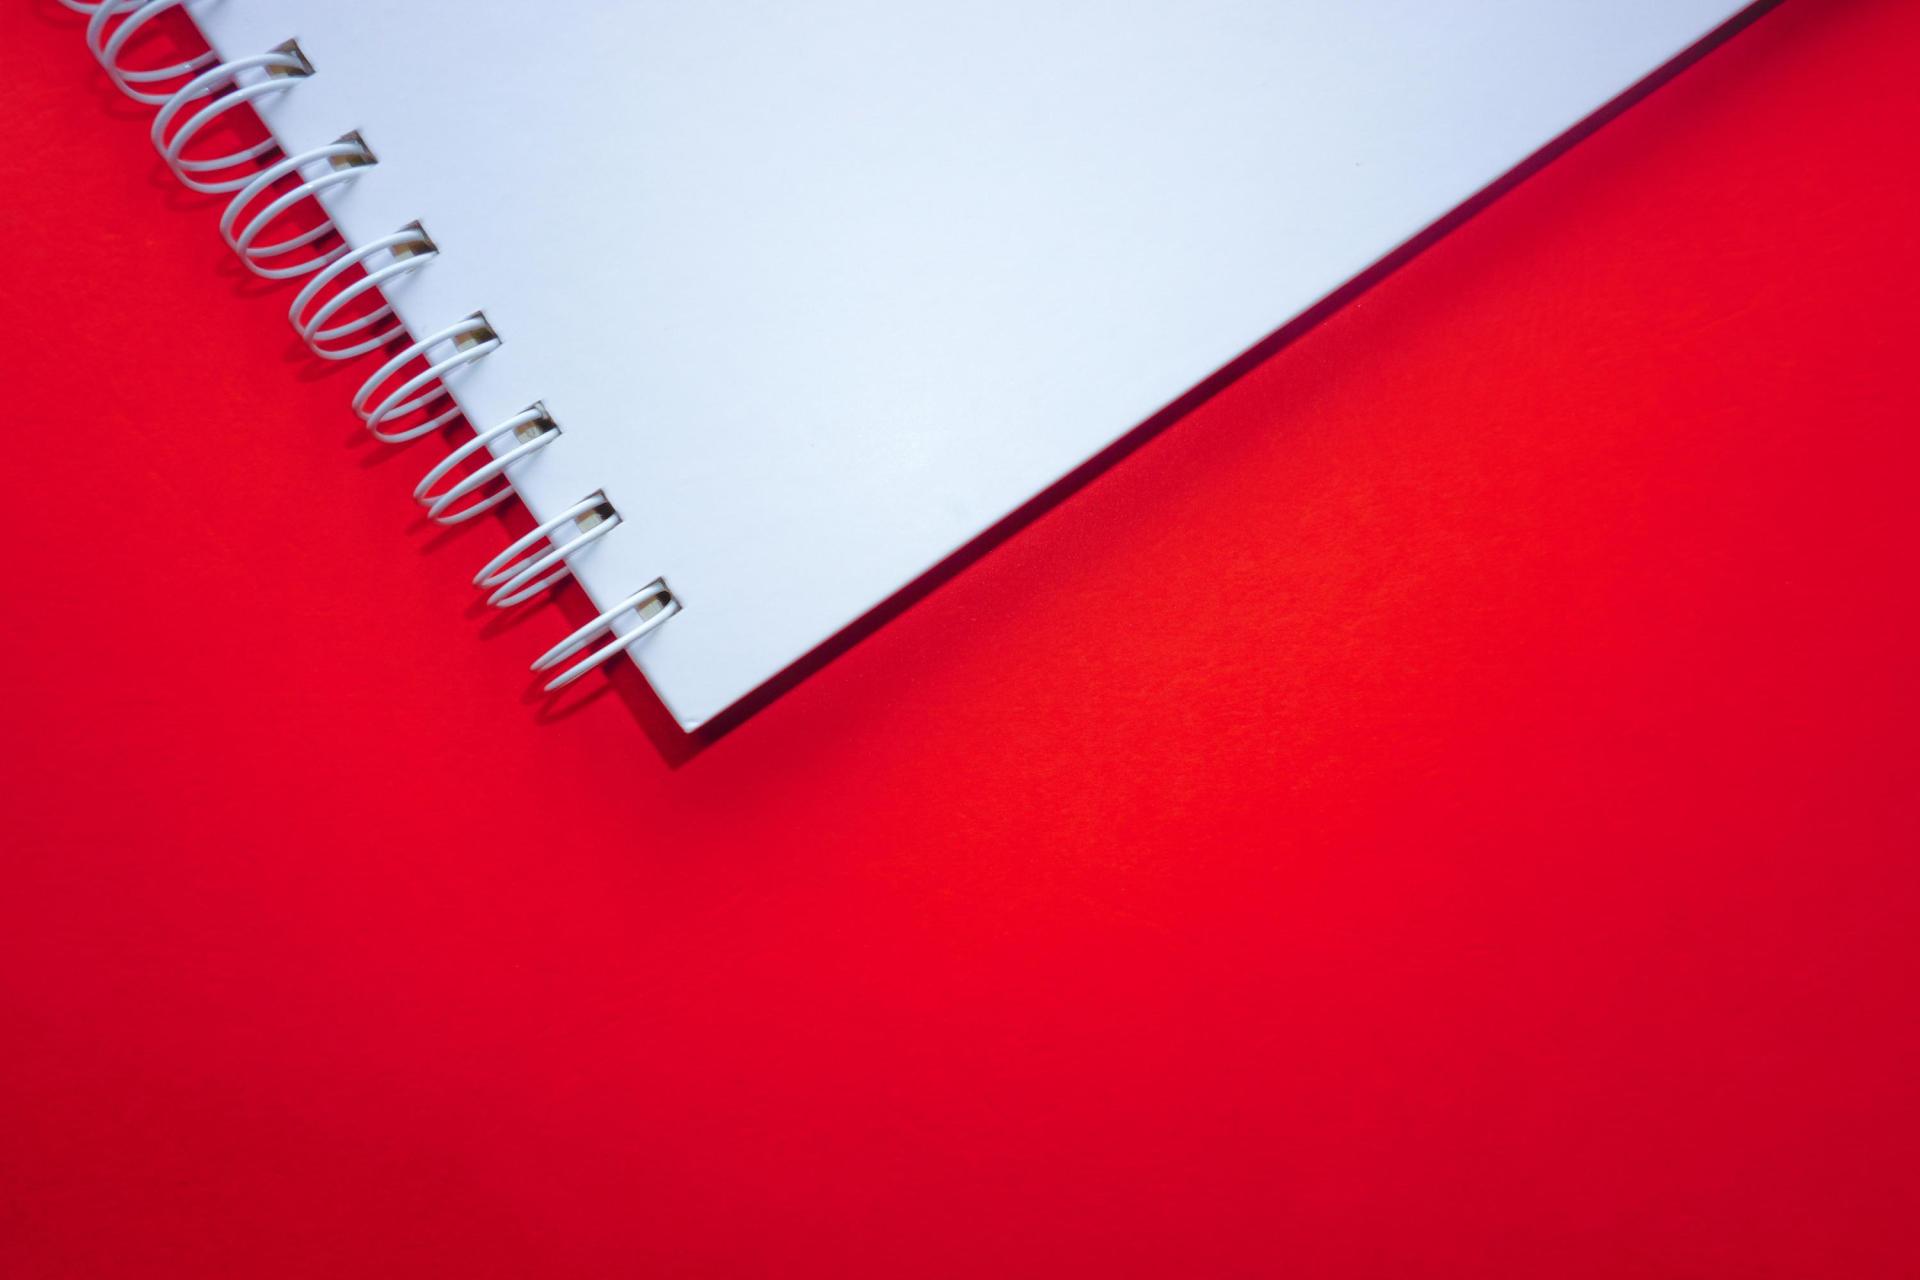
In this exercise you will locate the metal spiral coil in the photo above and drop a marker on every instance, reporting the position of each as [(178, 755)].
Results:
[(650, 607), (262, 190), (521, 572), (108, 48), (407, 250), (277, 70), (532, 430), (471, 339), (345, 160)]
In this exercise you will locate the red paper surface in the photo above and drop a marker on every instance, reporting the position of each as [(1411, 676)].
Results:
[(1443, 806)]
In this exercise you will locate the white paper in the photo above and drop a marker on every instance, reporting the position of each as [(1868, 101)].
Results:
[(818, 290)]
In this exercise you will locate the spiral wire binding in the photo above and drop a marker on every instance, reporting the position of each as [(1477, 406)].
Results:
[(108, 48), (652, 604), (515, 574), (279, 69), (345, 160), (471, 339), (263, 186), (407, 250), (532, 429)]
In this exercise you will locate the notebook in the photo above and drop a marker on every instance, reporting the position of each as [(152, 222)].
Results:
[(763, 309)]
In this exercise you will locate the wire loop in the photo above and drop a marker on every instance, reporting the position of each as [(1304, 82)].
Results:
[(532, 427), (108, 48), (471, 338), (620, 642), (284, 68), (516, 574), (346, 159), (410, 248)]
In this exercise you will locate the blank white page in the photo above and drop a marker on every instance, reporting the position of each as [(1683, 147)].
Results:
[(818, 290)]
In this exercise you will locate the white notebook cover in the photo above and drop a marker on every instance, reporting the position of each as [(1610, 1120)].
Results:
[(819, 290)]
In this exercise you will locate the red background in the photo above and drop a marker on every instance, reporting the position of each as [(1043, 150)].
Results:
[(1445, 804)]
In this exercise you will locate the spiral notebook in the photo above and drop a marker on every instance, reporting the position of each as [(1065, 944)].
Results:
[(763, 309)]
